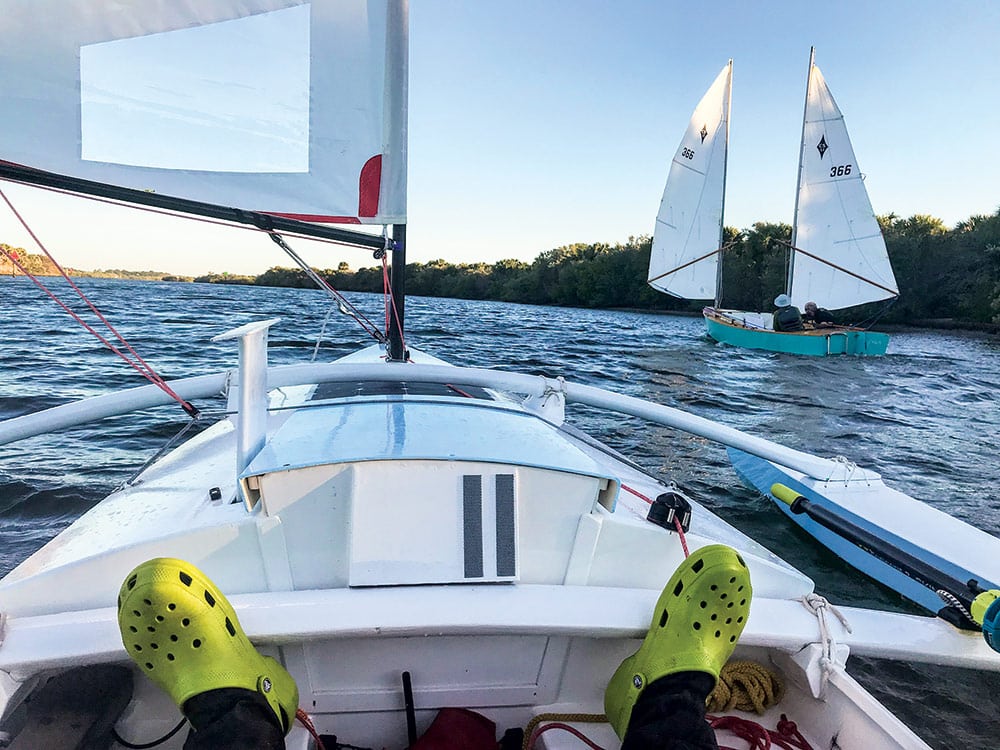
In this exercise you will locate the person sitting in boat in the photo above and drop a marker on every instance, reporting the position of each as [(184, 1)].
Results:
[(787, 317), (234, 697), (817, 317)]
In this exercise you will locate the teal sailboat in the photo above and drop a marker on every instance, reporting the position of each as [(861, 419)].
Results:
[(837, 257)]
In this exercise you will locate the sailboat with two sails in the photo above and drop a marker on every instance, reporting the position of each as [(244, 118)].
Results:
[(837, 252)]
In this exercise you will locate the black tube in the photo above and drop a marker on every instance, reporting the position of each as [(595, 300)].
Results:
[(397, 350), (267, 222), (887, 552), (411, 714)]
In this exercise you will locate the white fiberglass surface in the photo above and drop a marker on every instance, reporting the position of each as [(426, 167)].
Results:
[(231, 96)]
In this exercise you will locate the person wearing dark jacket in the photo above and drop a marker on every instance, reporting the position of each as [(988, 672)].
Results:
[(818, 317), (787, 317)]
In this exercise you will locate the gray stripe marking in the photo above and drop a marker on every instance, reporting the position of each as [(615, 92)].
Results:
[(506, 540), (472, 524)]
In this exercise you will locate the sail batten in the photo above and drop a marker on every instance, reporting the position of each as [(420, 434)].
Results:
[(276, 106), (684, 256)]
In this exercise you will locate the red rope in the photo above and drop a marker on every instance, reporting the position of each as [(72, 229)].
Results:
[(139, 364), (390, 300), (637, 494), (304, 719), (386, 293), (680, 533), (758, 737), (205, 220), (370, 328), (677, 523)]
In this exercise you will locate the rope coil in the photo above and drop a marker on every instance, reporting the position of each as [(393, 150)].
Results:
[(746, 686)]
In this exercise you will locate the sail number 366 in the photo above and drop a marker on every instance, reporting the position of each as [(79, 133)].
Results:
[(840, 171)]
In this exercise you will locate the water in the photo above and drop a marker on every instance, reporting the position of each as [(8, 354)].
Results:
[(925, 416)]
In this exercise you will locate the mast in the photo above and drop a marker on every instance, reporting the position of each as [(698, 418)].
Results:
[(397, 350), (397, 56), (722, 214), (798, 186)]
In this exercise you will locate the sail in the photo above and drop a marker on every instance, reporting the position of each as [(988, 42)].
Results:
[(284, 106), (834, 219), (684, 258)]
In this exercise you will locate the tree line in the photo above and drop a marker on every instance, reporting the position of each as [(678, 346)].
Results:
[(943, 274)]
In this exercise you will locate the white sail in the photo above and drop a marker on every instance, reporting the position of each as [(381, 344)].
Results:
[(834, 220), (282, 106), (684, 258)]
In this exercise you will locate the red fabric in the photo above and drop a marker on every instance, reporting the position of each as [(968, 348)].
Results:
[(369, 185), (317, 218), (458, 729)]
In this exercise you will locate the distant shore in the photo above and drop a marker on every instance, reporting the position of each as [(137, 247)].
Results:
[(941, 324), (947, 279)]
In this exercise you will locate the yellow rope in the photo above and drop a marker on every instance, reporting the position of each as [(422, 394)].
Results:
[(745, 686), (564, 718)]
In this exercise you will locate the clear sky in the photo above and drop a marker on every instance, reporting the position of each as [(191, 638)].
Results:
[(539, 123)]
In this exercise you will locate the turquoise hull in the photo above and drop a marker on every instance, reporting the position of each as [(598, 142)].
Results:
[(817, 343)]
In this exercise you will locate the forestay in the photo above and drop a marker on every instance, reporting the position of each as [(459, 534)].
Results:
[(284, 106), (834, 218), (684, 261)]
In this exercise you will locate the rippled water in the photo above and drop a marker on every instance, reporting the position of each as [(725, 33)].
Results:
[(925, 416)]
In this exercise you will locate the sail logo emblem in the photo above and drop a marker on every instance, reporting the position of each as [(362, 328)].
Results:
[(703, 133), (821, 146)]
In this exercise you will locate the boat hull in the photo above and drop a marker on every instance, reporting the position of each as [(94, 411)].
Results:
[(902, 523), (818, 342)]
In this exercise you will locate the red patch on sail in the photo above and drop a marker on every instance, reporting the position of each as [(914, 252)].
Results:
[(368, 188), (317, 218)]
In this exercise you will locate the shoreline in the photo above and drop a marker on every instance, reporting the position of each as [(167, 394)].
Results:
[(931, 324)]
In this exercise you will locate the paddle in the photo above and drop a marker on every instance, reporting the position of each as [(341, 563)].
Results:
[(972, 607)]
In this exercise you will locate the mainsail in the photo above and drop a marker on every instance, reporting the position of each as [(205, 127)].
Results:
[(282, 106), (834, 220), (684, 260)]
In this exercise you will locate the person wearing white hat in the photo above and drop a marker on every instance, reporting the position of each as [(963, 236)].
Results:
[(787, 318)]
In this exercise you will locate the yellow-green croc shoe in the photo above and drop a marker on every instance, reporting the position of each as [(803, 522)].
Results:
[(696, 623), (183, 633)]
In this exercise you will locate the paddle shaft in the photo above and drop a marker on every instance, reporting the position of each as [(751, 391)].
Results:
[(920, 571)]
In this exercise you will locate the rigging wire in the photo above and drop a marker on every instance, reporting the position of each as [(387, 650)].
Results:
[(370, 328), (135, 360), (138, 363), (322, 332), (170, 443), (390, 303)]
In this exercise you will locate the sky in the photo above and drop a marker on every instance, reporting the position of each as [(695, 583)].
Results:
[(535, 124)]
